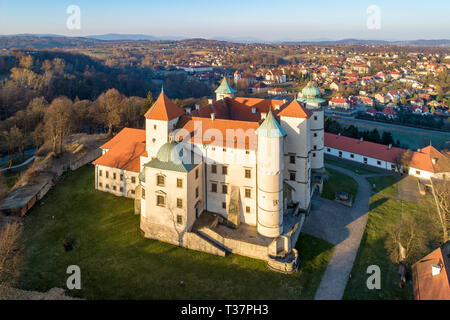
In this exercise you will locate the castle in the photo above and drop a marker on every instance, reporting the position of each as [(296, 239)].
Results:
[(236, 175)]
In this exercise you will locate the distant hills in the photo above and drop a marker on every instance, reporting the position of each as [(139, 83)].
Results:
[(50, 41)]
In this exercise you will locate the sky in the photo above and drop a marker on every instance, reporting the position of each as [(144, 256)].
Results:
[(262, 19)]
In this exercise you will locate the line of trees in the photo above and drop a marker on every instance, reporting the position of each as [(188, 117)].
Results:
[(386, 138), (52, 122)]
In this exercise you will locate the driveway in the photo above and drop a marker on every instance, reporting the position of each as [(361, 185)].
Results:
[(343, 227)]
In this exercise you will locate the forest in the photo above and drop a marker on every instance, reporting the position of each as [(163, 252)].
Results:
[(49, 94)]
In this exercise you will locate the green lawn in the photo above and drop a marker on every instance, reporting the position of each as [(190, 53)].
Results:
[(118, 263), (338, 182), (386, 185), (372, 250), (354, 168)]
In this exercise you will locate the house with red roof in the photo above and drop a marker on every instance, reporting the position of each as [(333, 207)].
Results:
[(339, 102), (431, 275), (389, 113), (426, 163)]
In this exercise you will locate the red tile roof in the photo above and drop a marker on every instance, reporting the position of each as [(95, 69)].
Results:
[(422, 160), (295, 110), (164, 109), (365, 148), (225, 127), (427, 286), (125, 150)]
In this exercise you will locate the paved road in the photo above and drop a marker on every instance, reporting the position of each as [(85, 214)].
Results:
[(20, 165), (343, 227)]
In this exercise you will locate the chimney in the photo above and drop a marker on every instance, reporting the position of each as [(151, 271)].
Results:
[(277, 107), (197, 106), (210, 101), (213, 116), (253, 110), (436, 270), (284, 101)]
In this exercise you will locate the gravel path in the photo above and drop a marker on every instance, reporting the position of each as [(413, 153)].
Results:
[(343, 227)]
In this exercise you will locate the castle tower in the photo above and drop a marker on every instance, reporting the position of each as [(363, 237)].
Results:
[(310, 96), (295, 120), (270, 177), (160, 119), (224, 90)]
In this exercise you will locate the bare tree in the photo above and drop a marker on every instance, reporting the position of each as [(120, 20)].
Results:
[(12, 136), (441, 193), (58, 122), (9, 245), (406, 241), (109, 109), (3, 187)]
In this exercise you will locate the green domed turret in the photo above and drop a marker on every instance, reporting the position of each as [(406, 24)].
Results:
[(171, 157), (311, 95)]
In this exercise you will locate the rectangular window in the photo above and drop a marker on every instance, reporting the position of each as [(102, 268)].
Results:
[(292, 175), (179, 183), (315, 117), (315, 134), (224, 189), (160, 180), (107, 186), (247, 152), (248, 193), (133, 179), (160, 201), (179, 219), (418, 173), (292, 159), (224, 149), (315, 147), (143, 193), (179, 203), (107, 174), (213, 187), (114, 176), (100, 185), (133, 192), (196, 192), (379, 163), (224, 205), (214, 168), (100, 173), (248, 173), (114, 188), (328, 150), (340, 154), (121, 189), (196, 173), (247, 209), (314, 155), (352, 156), (121, 177), (393, 166), (365, 160), (224, 170)]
